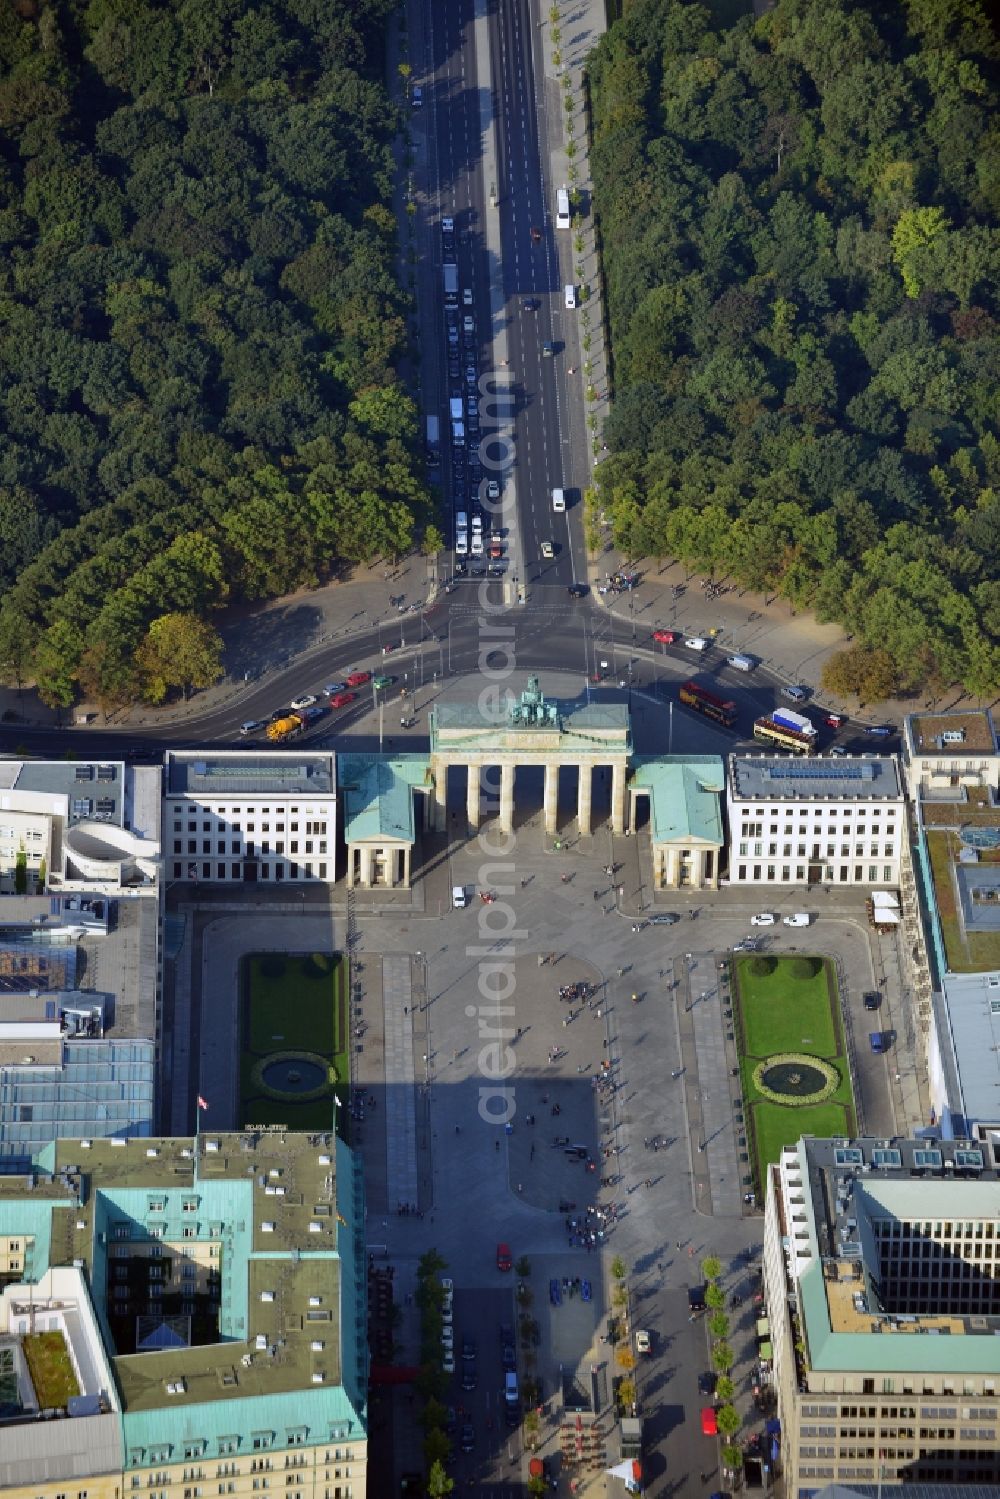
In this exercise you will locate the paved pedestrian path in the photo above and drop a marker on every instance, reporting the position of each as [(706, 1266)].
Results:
[(400, 1111)]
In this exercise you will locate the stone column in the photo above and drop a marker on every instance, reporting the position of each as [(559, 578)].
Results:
[(350, 866), (551, 798), (472, 799), (618, 797), (583, 798), (440, 816), (507, 798), (366, 867), (406, 868)]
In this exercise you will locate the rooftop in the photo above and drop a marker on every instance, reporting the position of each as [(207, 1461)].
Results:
[(849, 1309), (685, 796), (246, 773), (969, 1040), (377, 793), (94, 789), (951, 735), (268, 1201), (531, 722), (772, 778)]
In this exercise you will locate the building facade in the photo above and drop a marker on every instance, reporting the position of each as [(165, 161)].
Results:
[(203, 1303), (815, 821), (242, 817), (882, 1284)]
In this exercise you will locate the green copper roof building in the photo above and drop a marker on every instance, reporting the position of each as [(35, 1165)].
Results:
[(209, 1297)]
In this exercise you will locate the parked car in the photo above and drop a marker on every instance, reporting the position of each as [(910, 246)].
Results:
[(880, 730), (492, 489), (709, 1424), (448, 1361), (707, 1382), (459, 897), (504, 1261), (417, 96), (800, 918), (643, 1341), (468, 1439), (305, 701), (764, 918), (664, 918), (467, 297)]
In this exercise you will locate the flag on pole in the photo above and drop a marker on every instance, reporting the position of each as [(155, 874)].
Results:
[(337, 1101), (201, 1102)]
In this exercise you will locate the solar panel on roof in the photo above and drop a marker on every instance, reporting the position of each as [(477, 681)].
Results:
[(889, 1159), (811, 770), (848, 1155)]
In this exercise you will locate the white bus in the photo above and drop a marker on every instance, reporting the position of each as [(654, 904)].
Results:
[(562, 209)]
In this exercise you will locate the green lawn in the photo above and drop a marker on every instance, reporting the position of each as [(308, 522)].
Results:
[(780, 1012), (293, 1004), (50, 1368)]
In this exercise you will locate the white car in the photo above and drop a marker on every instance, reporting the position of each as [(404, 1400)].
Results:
[(417, 96), (476, 545), (306, 701), (764, 918), (547, 549), (461, 544), (448, 1361), (643, 1342), (799, 918), (477, 523), (252, 725), (447, 1315), (467, 297), (459, 899), (448, 1337), (696, 643), (461, 520), (447, 1285), (492, 489)]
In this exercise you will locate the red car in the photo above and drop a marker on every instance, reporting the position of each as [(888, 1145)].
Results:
[(666, 637), (709, 1425), (504, 1261), (341, 699), (359, 678)]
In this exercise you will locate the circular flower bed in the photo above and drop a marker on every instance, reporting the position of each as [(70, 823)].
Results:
[(300, 1095), (794, 1078)]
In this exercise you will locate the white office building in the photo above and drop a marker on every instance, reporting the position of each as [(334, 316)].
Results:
[(242, 816), (815, 821)]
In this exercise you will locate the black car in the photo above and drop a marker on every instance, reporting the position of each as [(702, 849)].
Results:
[(468, 1347), (707, 1383), (468, 1438), (450, 1421), (469, 1377), (508, 1358), (577, 590), (872, 999), (531, 304)]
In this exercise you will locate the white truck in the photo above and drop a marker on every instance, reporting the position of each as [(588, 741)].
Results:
[(796, 721)]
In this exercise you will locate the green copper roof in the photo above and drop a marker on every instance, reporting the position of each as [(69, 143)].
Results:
[(377, 796), (685, 796)]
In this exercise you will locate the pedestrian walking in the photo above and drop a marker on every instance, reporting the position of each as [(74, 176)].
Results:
[(648, 1182)]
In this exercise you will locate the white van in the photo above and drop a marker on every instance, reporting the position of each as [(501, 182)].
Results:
[(559, 501), (741, 663), (569, 297), (697, 643), (459, 898)]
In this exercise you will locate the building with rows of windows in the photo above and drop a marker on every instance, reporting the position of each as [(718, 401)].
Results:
[(233, 816), (188, 1316), (815, 821), (882, 1284)]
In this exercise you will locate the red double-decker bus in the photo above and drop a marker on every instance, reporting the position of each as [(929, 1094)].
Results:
[(702, 701)]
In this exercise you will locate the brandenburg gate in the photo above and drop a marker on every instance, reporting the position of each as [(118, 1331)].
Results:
[(509, 732)]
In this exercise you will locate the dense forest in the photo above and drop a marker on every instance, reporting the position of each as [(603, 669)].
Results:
[(803, 272), (199, 323)]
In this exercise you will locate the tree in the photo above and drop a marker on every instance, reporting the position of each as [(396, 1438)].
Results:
[(722, 1358), (522, 1267), (711, 1267), (625, 1357), (715, 1298), (732, 1457), (718, 1325), (725, 1389), (179, 650), (619, 1269), (438, 1482), (868, 673), (728, 1420), (433, 542), (437, 1447)]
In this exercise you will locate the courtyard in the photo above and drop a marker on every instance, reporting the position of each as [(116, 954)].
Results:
[(294, 1043), (794, 1070)]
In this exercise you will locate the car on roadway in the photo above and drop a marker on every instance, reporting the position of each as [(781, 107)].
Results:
[(764, 918), (467, 1441), (547, 549), (872, 999), (358, 678), (707, 1382), (548, 349), (835, 720), (664, 918), (880, 730), (495, 551), (536, 235), (448, 1335), (467, 297), (531, 304), (709, 1422), (696, 643), (305, 701), (794, 694), (476, 544), (447, 225), (577, 590), (492, 489), (837, 751), (666, 637), (447, 1289), (311, 715), (252, 725), (504, 1261), (448, 1361), (332, 688), (643, 1341), (471, 376), (799, 918), (417, 96), (450, 1421), (382, 681), (341, 699)]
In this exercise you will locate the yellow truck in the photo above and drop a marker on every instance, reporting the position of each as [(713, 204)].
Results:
[(285, 728)]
